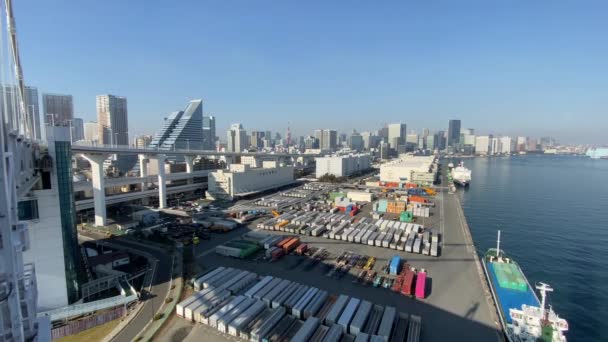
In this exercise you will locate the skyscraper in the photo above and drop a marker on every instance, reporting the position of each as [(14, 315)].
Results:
[(396, 135), (454, 133), (257, 139), (77, 129), (112, 120), (329, 139), (142, 141), (181, 130), (91, 132), (58, 109), (236, 138), (209, 136), (356, 141)]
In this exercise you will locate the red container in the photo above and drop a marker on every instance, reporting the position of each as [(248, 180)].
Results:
[(410, 185), (418, 199), (421, 285), (291, 245), (301, 249), (277, 254), (284, 241), (407, 288)]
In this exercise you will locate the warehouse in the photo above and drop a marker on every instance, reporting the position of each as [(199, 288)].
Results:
[(242, 180), (413, 169), (342, 166)]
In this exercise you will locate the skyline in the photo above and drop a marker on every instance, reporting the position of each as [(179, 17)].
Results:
[(524, 72)]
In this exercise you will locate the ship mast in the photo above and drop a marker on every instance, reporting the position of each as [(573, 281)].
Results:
[(543, 288), (498, 245)]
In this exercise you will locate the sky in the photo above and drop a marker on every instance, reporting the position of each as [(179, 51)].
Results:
[(503, 67)]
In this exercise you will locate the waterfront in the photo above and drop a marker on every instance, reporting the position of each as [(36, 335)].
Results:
[(552, 212)]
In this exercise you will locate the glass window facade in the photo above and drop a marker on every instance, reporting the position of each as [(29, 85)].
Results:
[(74, 270), (28, 210)]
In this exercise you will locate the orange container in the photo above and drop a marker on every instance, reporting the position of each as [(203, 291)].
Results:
[(291, 245), (283, 242), (418, 199)]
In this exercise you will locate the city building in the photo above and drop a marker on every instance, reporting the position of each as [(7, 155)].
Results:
[(430, 142), (383, 149), (142, 141), (412, 138), (506, 145), (237, 138), (242, 180), (440, 142), (467, 137), (91, 132), (77, 129), (112, 120), (341, 166), (181, 130), (410, 169), (482, 144), (310, 142), (494, 146), (57, 109), (32, 107), (454, 134), (356, 142), (209, 136), (257, 139), (521, 144), (328, 139), (396, 135), (49, 211)]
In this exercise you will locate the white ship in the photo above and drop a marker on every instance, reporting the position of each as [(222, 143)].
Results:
[(461, 175)]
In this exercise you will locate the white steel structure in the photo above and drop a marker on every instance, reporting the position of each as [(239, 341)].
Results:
[(18, 292)]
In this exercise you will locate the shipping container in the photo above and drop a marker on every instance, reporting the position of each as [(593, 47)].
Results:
[(222, 322), (361, 337), (259, 333), (417, 244), (421, 285), (401, 246), (387, 323), (334, 334), (258, 286), (295, 297), (280, 329), (267, 288), (358, 322), (203, 316), (315, 304), (298, 308), (282, 297), (348, 314), (319, 334), (336, 310), (306, 331), (198, 283), (271, 295), (379, 238), (372, 238), (395, 265), (413, 331), (213, 279), (387, 239), (400, 330), (301, 249), (374, 320), (329, 303), (235, 327), (234, 279), (434, 248), (408, 283), (224, 310), (255, 323)]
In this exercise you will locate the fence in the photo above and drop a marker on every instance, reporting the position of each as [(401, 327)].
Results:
[(74, 327)]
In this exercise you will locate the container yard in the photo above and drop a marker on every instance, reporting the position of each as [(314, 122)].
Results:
[(305, 314), (352, 262)]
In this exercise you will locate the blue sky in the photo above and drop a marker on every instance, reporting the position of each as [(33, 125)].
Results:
[(511, 67)]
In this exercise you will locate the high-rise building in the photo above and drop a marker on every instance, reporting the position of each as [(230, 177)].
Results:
[(209, 136), (425, 132), (181, 130), (32, 107), (51, 215), (506, 145), (370, 140), (142, 141), (237, 138), (257, 139), (467, 137), (440, 142), (430, 142), (77, 129), (396, 135), (311, 142), (112, 120), (383, 146), (412, 138), (483, 144), (57, 109), (356, 141), (329, 140), (454, 134), (494, 145), (91, 132)]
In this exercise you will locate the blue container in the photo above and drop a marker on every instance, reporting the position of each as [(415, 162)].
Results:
[(395, 265)]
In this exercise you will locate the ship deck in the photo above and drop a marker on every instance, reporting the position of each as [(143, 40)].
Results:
[(509, 298)]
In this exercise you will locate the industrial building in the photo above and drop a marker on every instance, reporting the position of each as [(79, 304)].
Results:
[(413, 169), (242, 179), (341, 166)]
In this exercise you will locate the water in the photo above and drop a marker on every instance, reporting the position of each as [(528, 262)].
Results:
[(553, 213)]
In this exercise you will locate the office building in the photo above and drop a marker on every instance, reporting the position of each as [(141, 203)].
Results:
[(328, 139), (430, 142), (467, 137), (310, 142), (356, 142), (209, 136), (242, 180), (453, 134), (237, 138), (483, 144), (396, 135), (142, 141), (383, 149), (50, 212), (57, 109), (410, 169), (181, 130), (341, 166), (77, 129), (112, 120), (91, 132), (412, 138), (440, 141), (257, 139), (506, 145)]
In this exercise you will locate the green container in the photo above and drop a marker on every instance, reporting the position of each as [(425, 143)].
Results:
[(509, 276), (406, 216), (334, 194)]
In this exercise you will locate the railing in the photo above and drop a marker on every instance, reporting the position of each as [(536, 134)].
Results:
[(81, 309)]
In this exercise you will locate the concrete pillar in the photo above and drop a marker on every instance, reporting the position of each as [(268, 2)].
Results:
[(143, 171), (99, 187), (162, 186), (189, 167)]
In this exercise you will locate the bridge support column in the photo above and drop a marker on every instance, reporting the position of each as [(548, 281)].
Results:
[(99, 187), (143, 172), (162, 182), (189, 167)]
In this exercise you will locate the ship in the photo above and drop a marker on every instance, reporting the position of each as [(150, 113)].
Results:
[(524, 318), (597, 153), (461, 175)]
